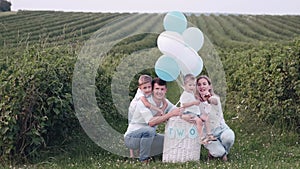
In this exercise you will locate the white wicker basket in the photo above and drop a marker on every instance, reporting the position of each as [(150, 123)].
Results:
[(181, 143)]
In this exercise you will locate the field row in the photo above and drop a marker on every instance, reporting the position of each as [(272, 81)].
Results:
[(65, 27)]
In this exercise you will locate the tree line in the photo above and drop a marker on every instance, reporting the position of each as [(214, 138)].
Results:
[(5, 6)]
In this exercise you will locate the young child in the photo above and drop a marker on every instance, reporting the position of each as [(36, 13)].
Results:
[(144, 90), (190, 103)]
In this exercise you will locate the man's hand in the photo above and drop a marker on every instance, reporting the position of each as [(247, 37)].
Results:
[(159, 113), (188, 118), (177, 112), (160, 119)]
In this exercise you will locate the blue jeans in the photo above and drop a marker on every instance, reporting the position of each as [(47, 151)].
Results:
[(146, 140), (225, 141)]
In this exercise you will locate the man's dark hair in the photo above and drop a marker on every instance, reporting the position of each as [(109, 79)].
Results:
[(159, 82)]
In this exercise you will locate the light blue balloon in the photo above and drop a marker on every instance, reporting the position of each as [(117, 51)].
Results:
[(166, 68), (175, 21)]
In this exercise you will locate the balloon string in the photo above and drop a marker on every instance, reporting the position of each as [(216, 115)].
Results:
[(180, 82), (177, 103)]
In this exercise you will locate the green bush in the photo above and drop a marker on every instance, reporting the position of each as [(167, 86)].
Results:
[(36, 101), (264, 83)]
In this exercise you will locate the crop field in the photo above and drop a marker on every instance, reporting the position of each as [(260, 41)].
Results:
[(45, 55)]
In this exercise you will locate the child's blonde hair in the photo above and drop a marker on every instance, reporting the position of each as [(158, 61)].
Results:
[(188, 77), (143, 79)]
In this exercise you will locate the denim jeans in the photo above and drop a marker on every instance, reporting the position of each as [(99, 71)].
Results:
[(225, 141), (146, 140)]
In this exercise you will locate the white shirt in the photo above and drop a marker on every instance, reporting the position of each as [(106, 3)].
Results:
[(187, 97), (215, 113), (142, 115), (134, 102)]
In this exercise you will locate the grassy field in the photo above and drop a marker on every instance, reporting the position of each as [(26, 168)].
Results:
[(255, 147)]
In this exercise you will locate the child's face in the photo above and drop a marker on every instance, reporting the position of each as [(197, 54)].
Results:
[(190, 86), (146, 88)]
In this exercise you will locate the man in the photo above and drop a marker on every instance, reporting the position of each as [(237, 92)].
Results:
[(141, 132)]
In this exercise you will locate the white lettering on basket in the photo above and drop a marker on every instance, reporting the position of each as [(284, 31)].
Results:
[(182, 132)]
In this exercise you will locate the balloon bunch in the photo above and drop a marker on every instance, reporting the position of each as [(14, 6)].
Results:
[(179, 46)]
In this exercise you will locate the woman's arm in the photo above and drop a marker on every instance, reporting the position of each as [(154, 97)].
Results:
[(211, 100)]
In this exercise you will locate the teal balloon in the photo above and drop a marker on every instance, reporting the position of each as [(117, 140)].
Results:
[(166, 68), (175, 21)]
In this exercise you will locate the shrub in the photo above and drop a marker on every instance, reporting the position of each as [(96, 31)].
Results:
[(264, 83), (36, 102)]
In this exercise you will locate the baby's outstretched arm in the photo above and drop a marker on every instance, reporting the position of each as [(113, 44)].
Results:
[(189, 104)]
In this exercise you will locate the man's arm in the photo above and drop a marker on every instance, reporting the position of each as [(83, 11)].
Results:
[(160, 119)]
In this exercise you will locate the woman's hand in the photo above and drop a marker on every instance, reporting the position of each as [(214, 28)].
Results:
[(206, 96)]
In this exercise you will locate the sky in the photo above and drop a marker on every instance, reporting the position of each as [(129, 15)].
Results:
[(272, 7)]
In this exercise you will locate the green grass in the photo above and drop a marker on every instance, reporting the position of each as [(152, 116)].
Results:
[(256, 146)]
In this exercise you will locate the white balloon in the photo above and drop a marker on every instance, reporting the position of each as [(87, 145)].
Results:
[(191, 62), (193, 37), (171, 43)]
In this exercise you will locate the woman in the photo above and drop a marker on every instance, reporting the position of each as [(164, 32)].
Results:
[(211, 104)]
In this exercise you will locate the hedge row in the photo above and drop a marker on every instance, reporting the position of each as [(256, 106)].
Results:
[(36, 95), (264, 83), (36, 101)]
